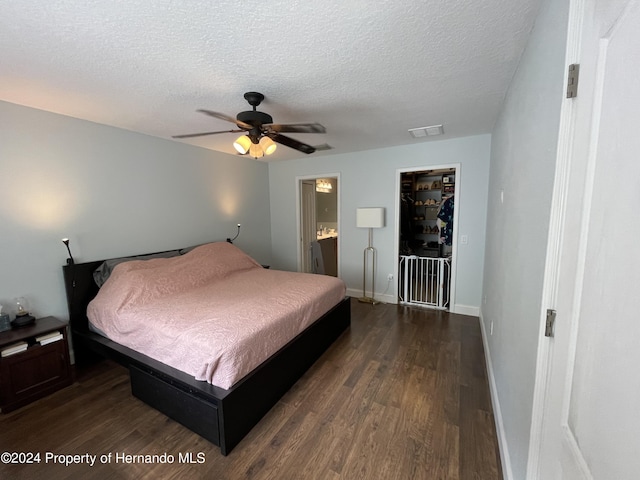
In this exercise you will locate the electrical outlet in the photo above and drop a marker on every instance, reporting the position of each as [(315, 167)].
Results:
[(390, 277)]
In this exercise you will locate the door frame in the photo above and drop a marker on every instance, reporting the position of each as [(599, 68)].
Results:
[(308, 223), (555, 241), (456, 212), (299, 180)]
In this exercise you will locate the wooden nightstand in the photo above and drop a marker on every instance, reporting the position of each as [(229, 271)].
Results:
[(37, 371)]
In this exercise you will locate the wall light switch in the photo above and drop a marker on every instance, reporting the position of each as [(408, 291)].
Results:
[(464, 239)]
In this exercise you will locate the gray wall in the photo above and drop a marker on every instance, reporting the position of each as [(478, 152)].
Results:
[(523, 155), (112, 192), (368, 179)]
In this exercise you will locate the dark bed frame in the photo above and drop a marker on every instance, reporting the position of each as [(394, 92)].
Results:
[(221, 416)]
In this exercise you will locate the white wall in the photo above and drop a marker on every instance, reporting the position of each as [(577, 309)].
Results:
[(523, 157), (112, 192), (368, 179)]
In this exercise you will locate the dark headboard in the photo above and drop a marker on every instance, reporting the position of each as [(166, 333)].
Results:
[(81, 289)]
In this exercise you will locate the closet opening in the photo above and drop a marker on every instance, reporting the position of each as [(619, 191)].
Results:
[(318, 225), (426, 237)]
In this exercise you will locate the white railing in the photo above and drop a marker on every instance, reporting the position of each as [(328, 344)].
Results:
[(424, 281)]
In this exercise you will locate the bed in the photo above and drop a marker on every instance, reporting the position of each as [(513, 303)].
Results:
[(222, 415)]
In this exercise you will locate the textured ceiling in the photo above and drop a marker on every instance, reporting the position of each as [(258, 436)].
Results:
[(368, 71)]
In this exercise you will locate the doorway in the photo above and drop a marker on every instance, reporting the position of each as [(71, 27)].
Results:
[(426, 236), (318, 224)]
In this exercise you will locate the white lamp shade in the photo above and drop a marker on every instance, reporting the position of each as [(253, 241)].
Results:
[(267, 145), (242, 144), (255, 150), (370, 217)]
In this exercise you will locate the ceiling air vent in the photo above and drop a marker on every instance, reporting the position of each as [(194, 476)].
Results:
[(426, 131)]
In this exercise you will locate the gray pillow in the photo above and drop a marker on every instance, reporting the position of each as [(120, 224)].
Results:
[(102, 273), (188, 249)]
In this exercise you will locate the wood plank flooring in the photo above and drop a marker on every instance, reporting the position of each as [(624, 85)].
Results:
[(402, 395)]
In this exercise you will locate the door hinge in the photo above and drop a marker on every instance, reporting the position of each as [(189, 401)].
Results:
[(551, 321), (572, 80)]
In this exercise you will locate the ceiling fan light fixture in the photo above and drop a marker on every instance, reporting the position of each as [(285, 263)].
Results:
[(256, 125), (242, 144), (255, 150), (268, 145)]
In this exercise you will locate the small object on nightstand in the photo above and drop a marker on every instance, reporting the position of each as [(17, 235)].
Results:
[(23, 317), (14, 348), (5, 321), (49, 338)]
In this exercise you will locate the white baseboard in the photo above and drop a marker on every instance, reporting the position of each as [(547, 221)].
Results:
[(383, 298), (466, 310), (387, 298), (505, 459)]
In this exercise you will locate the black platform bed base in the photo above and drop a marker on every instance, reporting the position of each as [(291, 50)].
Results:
[(221, 416)]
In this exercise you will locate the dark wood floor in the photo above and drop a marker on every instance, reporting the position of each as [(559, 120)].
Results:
[(402, 395)]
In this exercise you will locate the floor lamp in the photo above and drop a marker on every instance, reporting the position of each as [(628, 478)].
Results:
[(369, 218)]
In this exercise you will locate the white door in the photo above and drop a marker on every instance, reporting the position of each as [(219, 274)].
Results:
[(591, 415), (308, 222)]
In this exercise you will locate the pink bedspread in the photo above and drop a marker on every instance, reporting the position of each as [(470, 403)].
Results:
[(214, 312)]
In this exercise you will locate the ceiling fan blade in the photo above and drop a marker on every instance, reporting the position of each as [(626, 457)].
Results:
[(323, 146), (190, 135), (297, 128), (290, 142), (227, 118)]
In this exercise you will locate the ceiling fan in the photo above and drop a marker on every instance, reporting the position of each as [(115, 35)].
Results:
[(260, 131)]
